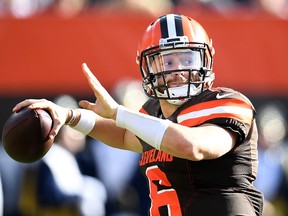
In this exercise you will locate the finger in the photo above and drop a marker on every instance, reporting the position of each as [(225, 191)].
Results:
[(41, 104), (23, 104), (89, 75), (86, 104), (54, 131), (58, 117), (50, 141), (95, 85)]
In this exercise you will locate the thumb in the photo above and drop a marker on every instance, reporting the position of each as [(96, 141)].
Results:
[(86, 104)]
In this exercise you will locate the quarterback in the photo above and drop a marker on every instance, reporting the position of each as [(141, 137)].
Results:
[(198, 142)]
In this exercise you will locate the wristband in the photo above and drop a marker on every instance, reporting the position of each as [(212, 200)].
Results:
[(86, 122), (148, 128), (72, 118)]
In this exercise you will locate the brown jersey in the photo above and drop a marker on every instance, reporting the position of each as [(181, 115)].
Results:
[(208, 187)]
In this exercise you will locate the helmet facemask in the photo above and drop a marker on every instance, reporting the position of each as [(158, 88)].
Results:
[(194, 62)]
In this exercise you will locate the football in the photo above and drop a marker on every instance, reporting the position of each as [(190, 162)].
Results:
[(25, 135)]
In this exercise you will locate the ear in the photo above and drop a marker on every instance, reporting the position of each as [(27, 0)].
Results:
[(208, 85), (137, 57), (212, 50)]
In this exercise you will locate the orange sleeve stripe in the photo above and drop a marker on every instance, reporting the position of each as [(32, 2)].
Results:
[(240, 111), (215, 103), (190, 122)]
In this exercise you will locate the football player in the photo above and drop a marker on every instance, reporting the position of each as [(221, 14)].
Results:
[(198, 143)]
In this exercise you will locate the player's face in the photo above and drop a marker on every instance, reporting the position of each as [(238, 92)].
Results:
[(179, 63)]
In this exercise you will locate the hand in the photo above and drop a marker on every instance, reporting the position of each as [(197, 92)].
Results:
[(104, 105), (59, 114)]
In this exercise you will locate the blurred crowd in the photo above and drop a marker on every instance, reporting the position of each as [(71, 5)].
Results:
[(272, 177), (70, 8)]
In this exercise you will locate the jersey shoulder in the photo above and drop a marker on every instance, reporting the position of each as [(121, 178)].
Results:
[(216, 97), (215, 105), (228, 93)]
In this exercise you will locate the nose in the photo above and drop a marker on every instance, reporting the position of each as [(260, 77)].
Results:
[(179, 66), (179, 73)]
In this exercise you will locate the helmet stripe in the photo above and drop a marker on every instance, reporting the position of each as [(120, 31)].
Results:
[(179, 25), (164, 27), (171, 26)]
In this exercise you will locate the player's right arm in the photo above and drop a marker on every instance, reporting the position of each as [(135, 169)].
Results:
[(104, 130)]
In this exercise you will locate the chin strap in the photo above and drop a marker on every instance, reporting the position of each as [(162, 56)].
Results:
[(180, 91)]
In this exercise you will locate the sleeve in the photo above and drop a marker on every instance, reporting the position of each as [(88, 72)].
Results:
[(232, 113)]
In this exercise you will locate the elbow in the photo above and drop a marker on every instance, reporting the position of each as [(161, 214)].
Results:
[(197, 154), (190, 152)]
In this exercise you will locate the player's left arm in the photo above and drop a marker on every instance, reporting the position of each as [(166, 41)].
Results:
[(211, 131), (207, 141)]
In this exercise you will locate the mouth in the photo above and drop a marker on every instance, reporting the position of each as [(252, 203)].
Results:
[(176, 83)]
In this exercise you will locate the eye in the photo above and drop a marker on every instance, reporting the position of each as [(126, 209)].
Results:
[(167, 63), (187, 62)]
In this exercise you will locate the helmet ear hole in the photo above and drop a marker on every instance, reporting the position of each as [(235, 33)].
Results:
[(212, 50), (208, 84)]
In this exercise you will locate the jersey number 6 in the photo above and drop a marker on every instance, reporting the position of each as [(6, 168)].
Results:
[(161, 193)]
